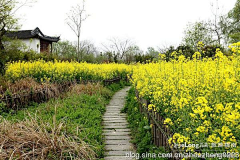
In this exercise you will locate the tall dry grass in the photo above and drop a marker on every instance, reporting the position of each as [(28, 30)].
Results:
[(22, 92), (33, 139), (91, 89), (19, 86)]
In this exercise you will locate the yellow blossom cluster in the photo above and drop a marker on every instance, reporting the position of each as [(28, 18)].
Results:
[(168, 121), (65, 71), (235, 47)]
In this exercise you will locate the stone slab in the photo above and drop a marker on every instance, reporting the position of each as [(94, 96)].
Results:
[(116, 153), (114, 116), (116, 133), (125, 147), (117, 137), (115, 120), (115, 127), (116, 130), (117, 158), (119, 142), (116, 123)]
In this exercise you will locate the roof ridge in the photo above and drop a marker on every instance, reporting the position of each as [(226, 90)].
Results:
[(19, 30), (24, 34)]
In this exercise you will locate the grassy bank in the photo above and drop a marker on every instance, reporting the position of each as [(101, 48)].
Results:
[(79, 111)]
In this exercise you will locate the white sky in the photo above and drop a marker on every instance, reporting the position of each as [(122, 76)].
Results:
[(146, 22)]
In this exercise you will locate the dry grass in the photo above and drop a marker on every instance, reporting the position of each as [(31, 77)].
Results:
[(32, 139), (24, 85), (28, 84), (20, 85), (89, 88), (28, 90)]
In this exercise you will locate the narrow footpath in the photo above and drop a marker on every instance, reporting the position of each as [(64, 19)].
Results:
[(116, 131)]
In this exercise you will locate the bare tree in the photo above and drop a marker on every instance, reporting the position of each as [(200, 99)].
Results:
[(75, 17), (217, 26), (88, 47), (214, 24), (118, 47)]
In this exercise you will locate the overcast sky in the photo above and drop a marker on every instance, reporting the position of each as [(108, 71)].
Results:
[(146, 22)]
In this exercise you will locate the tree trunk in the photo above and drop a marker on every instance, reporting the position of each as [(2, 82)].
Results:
[(78, 48), (2, 33), (2, 59), (1, 45)]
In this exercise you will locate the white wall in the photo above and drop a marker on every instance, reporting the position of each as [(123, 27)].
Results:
[(32, 44)]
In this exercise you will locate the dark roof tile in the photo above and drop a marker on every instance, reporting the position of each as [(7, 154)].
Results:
[(26, 34)]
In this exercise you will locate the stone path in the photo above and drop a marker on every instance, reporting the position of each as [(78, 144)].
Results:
[(117, 134)]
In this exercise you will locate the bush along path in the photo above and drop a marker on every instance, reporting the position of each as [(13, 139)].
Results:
[(116, 131)]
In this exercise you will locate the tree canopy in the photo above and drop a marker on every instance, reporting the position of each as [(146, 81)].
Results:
[(7, 19), (196, 32), (234, 15)]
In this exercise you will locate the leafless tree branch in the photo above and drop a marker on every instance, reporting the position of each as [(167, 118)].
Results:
[(74, 20), (118, 47)]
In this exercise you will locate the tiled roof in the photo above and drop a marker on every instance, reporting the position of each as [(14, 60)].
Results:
[(36, 33)]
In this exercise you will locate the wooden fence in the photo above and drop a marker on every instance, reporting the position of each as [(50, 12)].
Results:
[(160, 132), (110, 81)]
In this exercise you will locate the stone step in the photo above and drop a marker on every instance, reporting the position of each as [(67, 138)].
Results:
[(117, 158), (116, 133), (113, 114), (109, 106), (115, 127), (116, 123), (116, 153), (114, 107), (113, 110), (117, 137), (116, 102), (116, 130), (125, 147), (119, 142), (113, 118), (119, 103)]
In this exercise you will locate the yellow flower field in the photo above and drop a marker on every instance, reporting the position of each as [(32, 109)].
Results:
[(65, 71), (199, 98)]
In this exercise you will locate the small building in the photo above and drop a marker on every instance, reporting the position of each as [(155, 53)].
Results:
[(34, 39)]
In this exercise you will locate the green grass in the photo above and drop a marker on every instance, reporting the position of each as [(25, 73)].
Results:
[(139, 125), (117, 86), (82, 113)]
